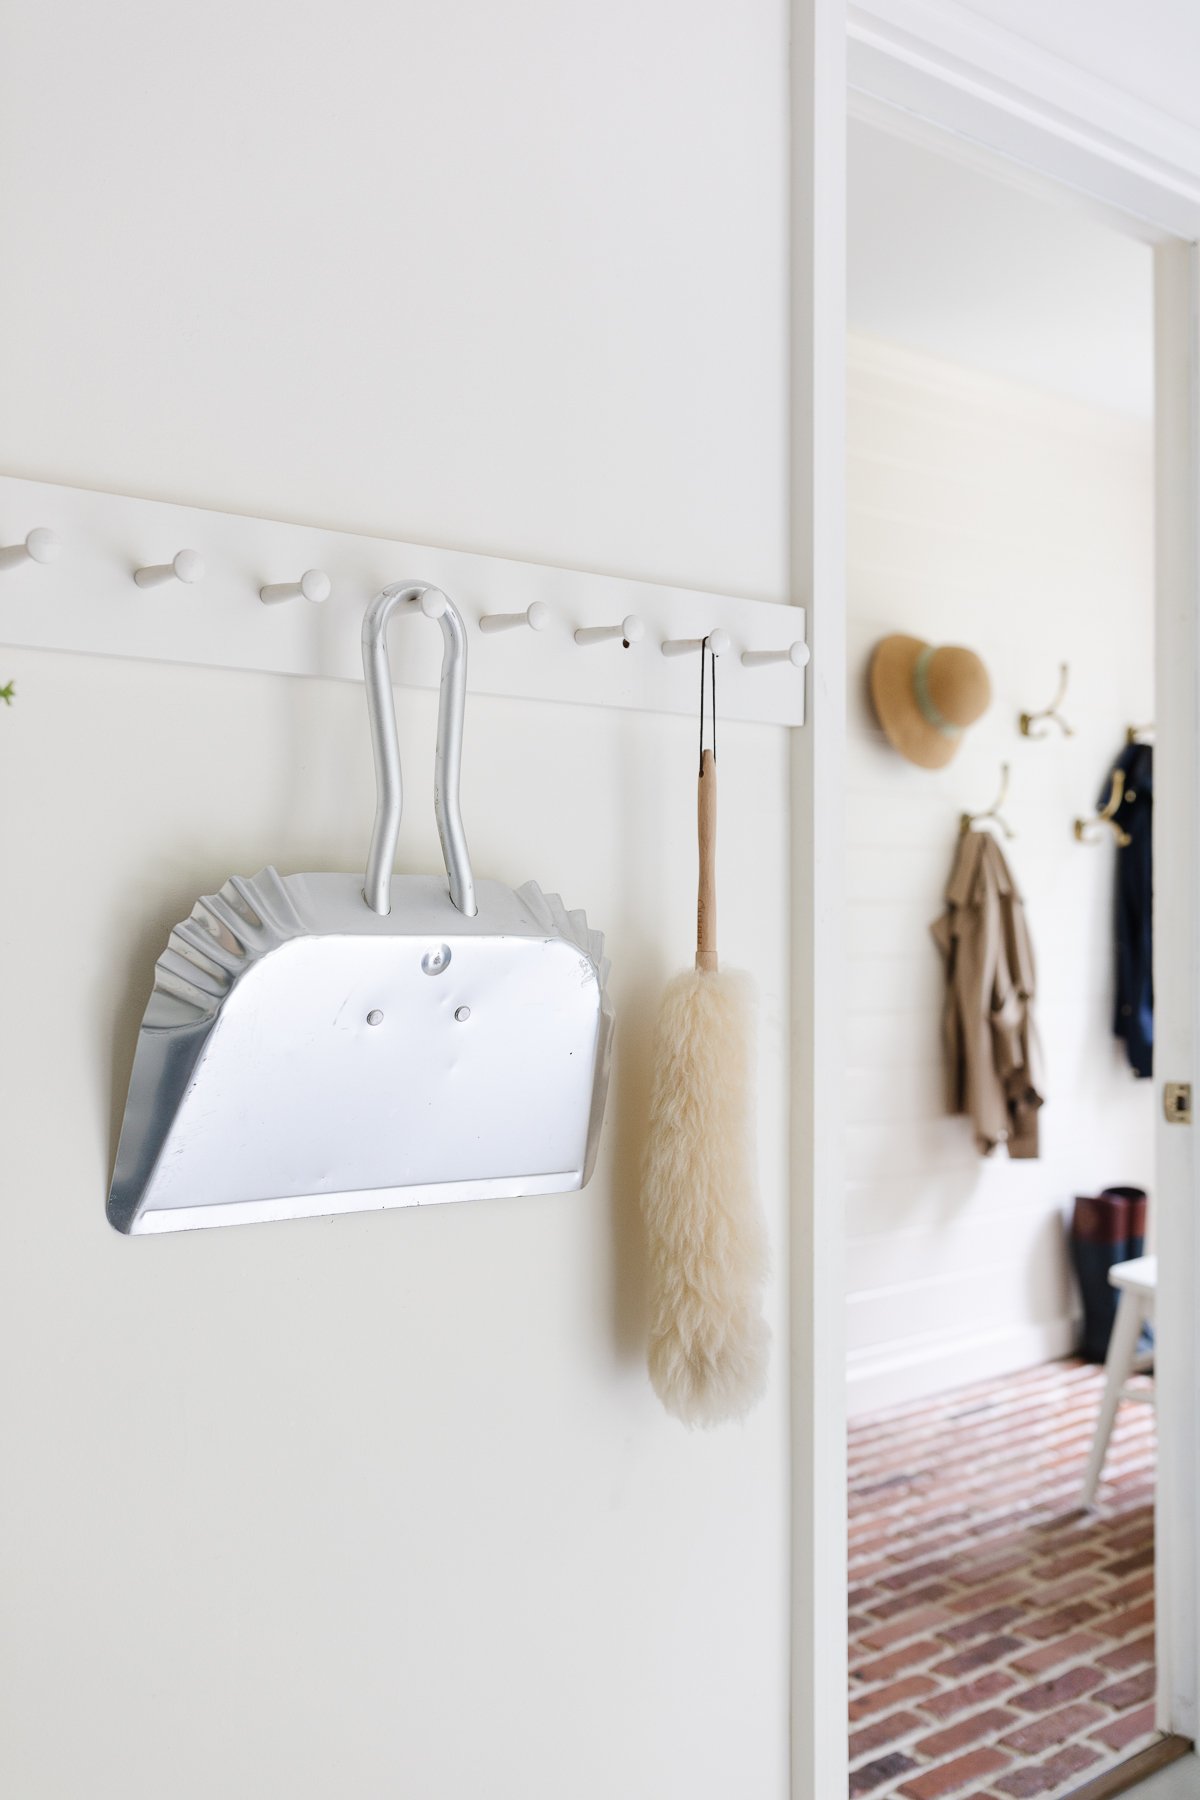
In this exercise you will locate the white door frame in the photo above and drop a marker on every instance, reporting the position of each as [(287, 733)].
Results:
[(817, 565), (1177, 973), (925, 66)]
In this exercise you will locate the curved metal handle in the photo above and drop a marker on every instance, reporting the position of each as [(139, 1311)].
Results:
[(416, 596)]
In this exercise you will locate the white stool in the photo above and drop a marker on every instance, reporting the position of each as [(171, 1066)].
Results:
[(1136, 1282)]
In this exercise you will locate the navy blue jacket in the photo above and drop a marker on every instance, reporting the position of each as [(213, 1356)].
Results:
[(1134, 1020)]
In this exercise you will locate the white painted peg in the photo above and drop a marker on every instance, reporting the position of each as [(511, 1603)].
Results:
[(796, 654), (186, 566), (536, 616), (630, 631), (313, 585), (718, 643), (41, 546)]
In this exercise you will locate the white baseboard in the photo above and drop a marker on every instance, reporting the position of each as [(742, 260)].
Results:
[(890, 1374)]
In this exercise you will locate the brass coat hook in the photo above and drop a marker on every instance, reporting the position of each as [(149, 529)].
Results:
[(1049, 715), (992, 816), (1091, 831)]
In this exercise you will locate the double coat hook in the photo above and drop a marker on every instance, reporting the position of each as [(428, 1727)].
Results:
[(1049, 715), (993, 815), (1091, 831)]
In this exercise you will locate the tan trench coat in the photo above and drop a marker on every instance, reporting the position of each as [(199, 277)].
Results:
[(993, 1055)]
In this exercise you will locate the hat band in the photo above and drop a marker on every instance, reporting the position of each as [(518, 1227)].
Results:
[(924, 698)]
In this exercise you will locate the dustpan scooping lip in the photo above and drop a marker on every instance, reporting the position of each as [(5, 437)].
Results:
[(303, 1055)]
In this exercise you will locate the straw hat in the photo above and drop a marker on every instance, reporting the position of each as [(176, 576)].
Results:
[(926, 696)]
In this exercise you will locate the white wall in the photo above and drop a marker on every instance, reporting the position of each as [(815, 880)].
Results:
[(988, 269), (984, 513), (380, 1506)]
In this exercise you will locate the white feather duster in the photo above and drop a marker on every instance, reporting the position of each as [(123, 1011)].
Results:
[(707, 1236)]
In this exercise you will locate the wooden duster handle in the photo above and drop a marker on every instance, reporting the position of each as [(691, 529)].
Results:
[(706, 901)]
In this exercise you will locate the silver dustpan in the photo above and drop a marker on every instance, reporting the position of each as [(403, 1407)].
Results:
[(311, 1047)]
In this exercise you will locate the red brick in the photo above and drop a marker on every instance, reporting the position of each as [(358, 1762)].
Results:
[(982, 1626), (1058, 1594), (1122, 1625), (869, 1568), (1072, 1760), (884, 1731), (1059, 1688), (1132, 1536), (978, 1656), (1122, 1732), (874, 1775), (1054, 1728), (1130, 1692), (882, 1668), (866, 1548), (925, 1618), (913, 1687), (1142, 1559), (1064, 1650), (975, 1602), (949, 1778), (1130, 1592), (1044, 1778), (965, 1529), (944, 1705), (1056, 1624), (1130, 1655), (970, 1576), (966, 1731), (1058, 1566), (919, 1572), (898, 1603)]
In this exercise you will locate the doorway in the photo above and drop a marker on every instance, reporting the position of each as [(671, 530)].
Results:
[(1001, 498)]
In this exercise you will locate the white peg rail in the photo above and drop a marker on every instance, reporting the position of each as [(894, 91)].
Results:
[(86, 601)]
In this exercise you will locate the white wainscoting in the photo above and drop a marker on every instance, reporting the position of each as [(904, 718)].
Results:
[(991, 515)]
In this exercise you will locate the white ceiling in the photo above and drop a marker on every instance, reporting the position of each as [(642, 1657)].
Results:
[(1151, 50), (948, 258)]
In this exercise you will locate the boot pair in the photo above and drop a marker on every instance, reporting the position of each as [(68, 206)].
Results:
[(1106, 1228)]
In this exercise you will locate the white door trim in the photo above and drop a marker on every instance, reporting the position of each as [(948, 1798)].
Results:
[(940, 62), (817, 565), (1177, 972)]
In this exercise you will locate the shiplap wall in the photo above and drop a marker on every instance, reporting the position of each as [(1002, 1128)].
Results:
[(992, 515)]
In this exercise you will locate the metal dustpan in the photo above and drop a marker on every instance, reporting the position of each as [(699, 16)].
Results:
[(312, 1046)]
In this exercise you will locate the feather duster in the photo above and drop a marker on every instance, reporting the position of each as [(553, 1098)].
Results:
[(707, 1236)]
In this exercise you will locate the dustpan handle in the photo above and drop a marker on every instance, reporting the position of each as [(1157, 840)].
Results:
[(416, 596)]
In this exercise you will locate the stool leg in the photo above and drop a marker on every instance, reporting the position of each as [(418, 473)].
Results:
[(1118, 1367)]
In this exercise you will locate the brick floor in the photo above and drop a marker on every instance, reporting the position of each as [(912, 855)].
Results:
[(1002, 1640)]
